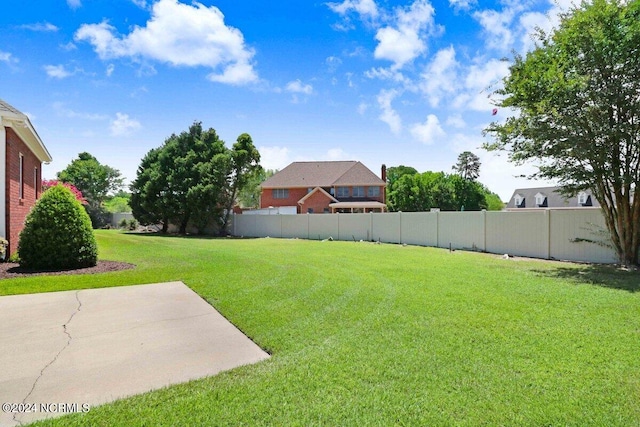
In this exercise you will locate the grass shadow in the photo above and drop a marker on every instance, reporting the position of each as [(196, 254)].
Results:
[(185, 236), (606, 276)]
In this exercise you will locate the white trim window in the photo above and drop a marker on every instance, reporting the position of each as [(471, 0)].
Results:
[(540, 199), (518, 199), (342, 192), (358, 192), (373, 192), (582, 198), (280, 193)]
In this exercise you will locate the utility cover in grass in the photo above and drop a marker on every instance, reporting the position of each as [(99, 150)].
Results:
[(57, 233)]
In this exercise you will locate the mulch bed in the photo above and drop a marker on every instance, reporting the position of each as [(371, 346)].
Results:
[(9, 270)]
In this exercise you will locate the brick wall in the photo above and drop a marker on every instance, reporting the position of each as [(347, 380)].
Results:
[(295, 194), (318, 201), (17, 208)]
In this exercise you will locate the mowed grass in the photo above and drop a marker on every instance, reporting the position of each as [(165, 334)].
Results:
[(366, 334)]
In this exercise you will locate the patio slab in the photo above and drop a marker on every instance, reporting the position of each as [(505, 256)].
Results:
[(70, 351)]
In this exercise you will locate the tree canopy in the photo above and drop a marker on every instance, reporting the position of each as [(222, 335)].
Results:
[(577, 112), (94, 180), (468, 165), (193, 178)]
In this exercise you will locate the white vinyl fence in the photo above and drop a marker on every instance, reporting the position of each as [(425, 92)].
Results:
[(544, 233)]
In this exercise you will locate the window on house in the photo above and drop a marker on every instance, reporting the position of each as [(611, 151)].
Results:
[(518, 199), (343, 192), (326, 210), (373, 192), (280, 193), (21, 178), (540, 199), (358, 191), (309, 190), (310, 210), (582, 198)]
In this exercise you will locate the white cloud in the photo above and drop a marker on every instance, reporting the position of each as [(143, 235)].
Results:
[(110, 69), (74, 4), (61, 110), (462, 4), (497, 28), (333, 63), (43, 26), (7, 57), (274, 157), (142, 4), (362, 108), (429, 131), (297, 86), (389, 115), (123, 125), (363, 7), (456, 121), (181, 35), (386, 74), (58, 71), (440, 76), (336, 154), (404, 42)]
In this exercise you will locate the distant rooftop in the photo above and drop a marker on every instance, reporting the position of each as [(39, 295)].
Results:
[(323, 174)]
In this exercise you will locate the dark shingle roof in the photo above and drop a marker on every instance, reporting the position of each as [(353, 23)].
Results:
[(323, 174), (553, 199), (4, 106)]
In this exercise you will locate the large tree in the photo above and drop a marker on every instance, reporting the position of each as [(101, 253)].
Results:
[(468, 165), (576, 99), (94, 180), (423, 191), (193, 178)]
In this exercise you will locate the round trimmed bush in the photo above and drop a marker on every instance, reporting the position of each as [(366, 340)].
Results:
[(57, 233)]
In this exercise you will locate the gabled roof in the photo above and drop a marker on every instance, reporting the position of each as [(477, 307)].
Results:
[(553, 198), (20, 123), (323, 174), (316, 190)]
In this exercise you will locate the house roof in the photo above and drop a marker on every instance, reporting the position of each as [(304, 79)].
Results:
[(553, 198), (20, 123), (323, 174)]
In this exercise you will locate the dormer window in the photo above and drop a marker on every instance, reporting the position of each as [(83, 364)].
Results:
[(582, 198), (541, 200), (518, 200)]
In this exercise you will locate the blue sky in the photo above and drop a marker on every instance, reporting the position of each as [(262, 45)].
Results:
[(393, 82)]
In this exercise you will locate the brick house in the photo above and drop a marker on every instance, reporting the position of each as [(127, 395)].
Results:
[(549, 198), (21, 177), (325, 187)]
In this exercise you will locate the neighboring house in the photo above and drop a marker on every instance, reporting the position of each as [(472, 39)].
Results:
[(21, 171), (325, 187), (549, 198)]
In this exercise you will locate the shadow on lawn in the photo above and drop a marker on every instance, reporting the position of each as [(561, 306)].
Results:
[(186, 236), (607, 276)]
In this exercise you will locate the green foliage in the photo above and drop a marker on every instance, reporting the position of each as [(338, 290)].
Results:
[(448, 192), (494, 202), (468, 165), (123, 223), (57, 233), (249, 196), (578, 112), (95, 181), (193, 178), (133, 224), (118, 204)]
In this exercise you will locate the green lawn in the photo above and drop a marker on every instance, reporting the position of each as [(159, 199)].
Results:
[(367, 334)]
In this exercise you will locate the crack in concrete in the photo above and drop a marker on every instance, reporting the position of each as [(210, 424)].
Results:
[(64, 330)]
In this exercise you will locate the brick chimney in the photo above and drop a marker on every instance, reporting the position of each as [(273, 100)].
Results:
[(383, 174)]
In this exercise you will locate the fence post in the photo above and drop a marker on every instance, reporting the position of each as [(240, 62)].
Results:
[(484, 231), (437, 229), (547, 213)]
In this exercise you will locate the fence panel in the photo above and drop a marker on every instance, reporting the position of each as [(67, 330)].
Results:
[(295, 226), (323, 226), (354, 227), (245, 225), (461, 230), (567, 225), (518, 233), (386, 227), (419, 228)]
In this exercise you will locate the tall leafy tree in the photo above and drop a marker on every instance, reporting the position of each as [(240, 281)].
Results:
[(249, 196), (193, 178), (94, 180), (394, 174), (577, 103), (468, 165)]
